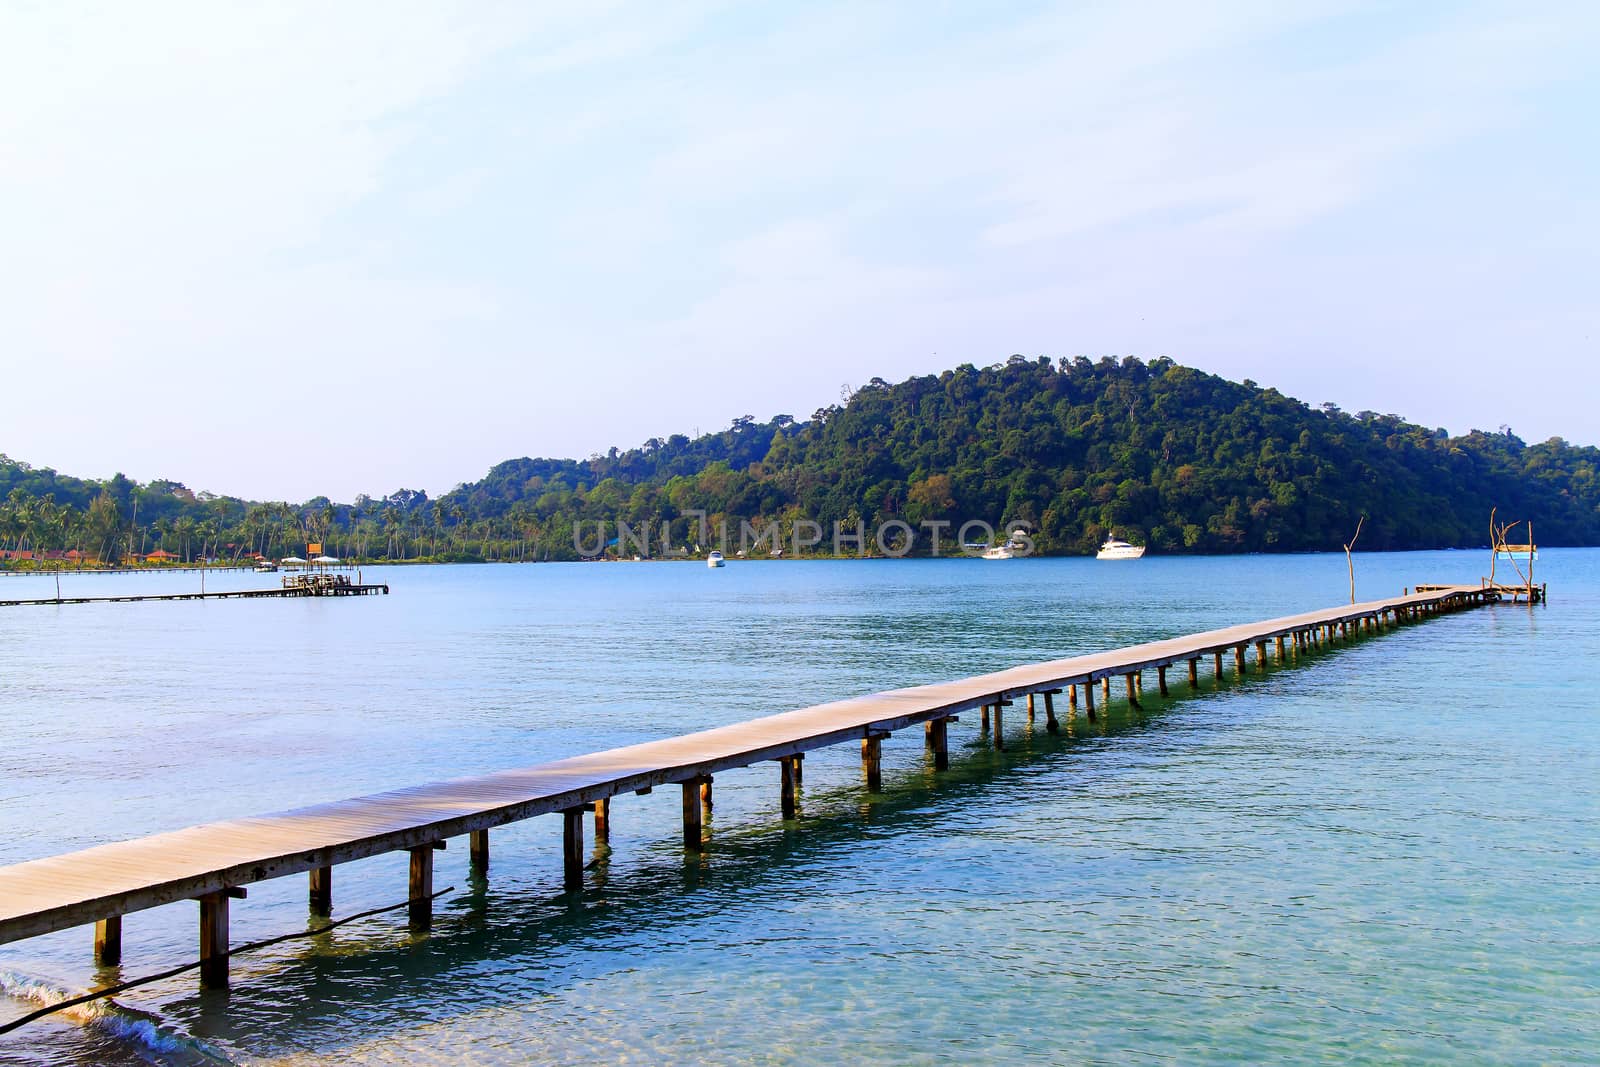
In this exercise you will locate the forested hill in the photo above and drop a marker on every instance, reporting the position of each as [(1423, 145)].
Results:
[(1159, 453), (1163, 454)]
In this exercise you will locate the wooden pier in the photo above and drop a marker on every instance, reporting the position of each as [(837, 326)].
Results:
[(214, 863), (295, 585)]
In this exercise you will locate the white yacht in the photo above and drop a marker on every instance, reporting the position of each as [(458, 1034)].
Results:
[(998, 552), (715, 559), (1114, 549)]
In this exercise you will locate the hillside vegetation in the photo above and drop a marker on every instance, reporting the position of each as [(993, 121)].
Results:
[(1162, 454)]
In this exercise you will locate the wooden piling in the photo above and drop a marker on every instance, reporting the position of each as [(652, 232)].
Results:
[(478, 850), (1105, 690), (705, 795), (572, 848), (1133, 697), (420, 890), (1161, 679), (1238, 660), (1216, 664), (321, 896), (602, 820), (1030, 709), (1194, 673), (939, 742), (214, 939), (1088, 700), (786, 795), (1261, 657), (1282, 655), (691, 815), (108, 941), (872, 756), (1050, 722), (799, 770), (983, 721)]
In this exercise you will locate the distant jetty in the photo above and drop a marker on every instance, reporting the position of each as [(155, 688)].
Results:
[(295, 585)]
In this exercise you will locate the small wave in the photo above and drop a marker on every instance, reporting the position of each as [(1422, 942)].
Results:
[(110, 1018)]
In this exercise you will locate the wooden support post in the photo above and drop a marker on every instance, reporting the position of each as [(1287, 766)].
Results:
[(1238, 660), (1282, 655), (108, 941), (983, 723), (799, 769), (1133, 696), (939, 742), (1261, 656), (1072, 698), (1088, 699), (1161, 680), (872, 753), (1138, 683), (1050, 722), (787, 805), (691, 815), (602, 820), (1105, 690), (321, 890), (572, 848), (1194, 674), (478, 852), (705, 795), (1216, 665), (1030, 708), (420, 893), (214, 940)]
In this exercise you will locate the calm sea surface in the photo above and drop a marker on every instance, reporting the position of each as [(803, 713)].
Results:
[(1387, 853)]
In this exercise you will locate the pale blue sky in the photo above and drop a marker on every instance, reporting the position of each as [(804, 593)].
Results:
[(280, 250)]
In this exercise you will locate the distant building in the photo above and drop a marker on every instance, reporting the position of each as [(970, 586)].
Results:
[(161, 555)]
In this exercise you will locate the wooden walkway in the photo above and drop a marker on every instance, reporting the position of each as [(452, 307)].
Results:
[(214, 862), (233, 594)]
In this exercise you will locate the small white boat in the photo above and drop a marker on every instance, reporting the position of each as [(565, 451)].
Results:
[(1114, 549), (998, 552), (265, 566), (715, 560)]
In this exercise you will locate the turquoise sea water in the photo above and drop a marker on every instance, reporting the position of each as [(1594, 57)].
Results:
[(1384, 854)]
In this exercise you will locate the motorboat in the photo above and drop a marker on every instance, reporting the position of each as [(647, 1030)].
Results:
[(999, 552), (1115, 549), (715, 560), (265, 566)]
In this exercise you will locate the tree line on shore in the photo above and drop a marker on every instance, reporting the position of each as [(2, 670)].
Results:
[(1158, 453)]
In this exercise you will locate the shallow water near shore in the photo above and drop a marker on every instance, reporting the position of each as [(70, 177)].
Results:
[(1384, 853)]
